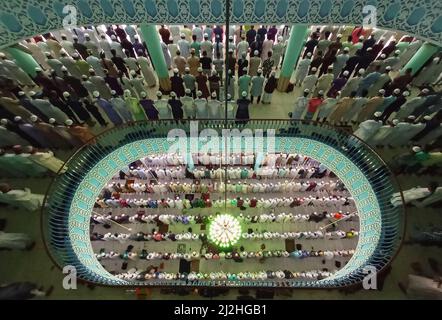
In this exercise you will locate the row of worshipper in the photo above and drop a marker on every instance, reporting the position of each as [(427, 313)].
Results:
[(398, 133), (352, 109), (238, 187), (419, 196), (26, 161), (206, 202), (177, 187), (417, 161), (141, 217), (20, 198), (145, 255), (221, 275), (189, 236)]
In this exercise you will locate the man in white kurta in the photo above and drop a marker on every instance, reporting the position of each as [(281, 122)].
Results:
[(201, 106), (214, 107), (163, 107), (310, 81), (188, 105), (369, 127), (302, 69)]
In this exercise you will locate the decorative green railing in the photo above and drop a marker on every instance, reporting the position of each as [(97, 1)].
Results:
[(71, 196)]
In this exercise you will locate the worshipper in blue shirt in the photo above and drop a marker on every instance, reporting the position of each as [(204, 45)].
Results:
[(108, 108), (369, 80)]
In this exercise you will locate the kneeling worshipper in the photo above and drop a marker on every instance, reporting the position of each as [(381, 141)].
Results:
[(20, 198)]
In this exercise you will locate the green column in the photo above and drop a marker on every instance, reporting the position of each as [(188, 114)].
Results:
[(24, 60), (152, 40), (425, 52), (294, 47)]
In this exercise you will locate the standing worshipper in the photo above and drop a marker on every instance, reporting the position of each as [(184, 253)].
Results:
[(201, 80), (251, 35), (368, 80), (176, 106), (257, 86), (139, 48), (201, 106), (164, 34), (177, 83), (338, 84), (302, 69), (134, 106), (310, 81), (121, 107), (368, 128), (324, 81), (173, 48), (105, 45), (340, 62), (269, 87), (115, 45), (95, 64), (278, 52), (352, 62), (244, 83), (207, 46), (359, 104), (108, 108), (382, 81), (214, 84), (69, 64), (206, 63), (231, 62), (163, 107), (310, 46), (100, 85), (231, 84), (243, 63), (188, 104), (400, 82), (267, 46), (218, 48), (184, 46), (370, 107), (81, 48), (254, 64), (189, 81), (219, 67), (313, 105), (180, 62), (242, 47), (197, 32), (55, 64), (214, 107), (108, 65), (128, 48), (352, 84), (341, 109), (113, 83), (119, 63), (193, 62), (75, 105), (328, 59), (147, 70), (90, 45), (137, 82), (326, 108), (242, 113), (392, 61), (166, 54), (267, 65), (395, 106)]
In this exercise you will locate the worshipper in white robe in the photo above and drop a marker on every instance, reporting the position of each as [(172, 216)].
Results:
[(368, 128), (19, 241), (327, 107), (37, 53), (67, 45), (46, 160), (188, 105), (100, 85), (207, 46), (254, 64), (121, 107), (105, 45), (242, 47), (15, 71), (184, 46), (302, 69), (201, 106), (324, 81), (409, 130), (173, 48), (214, 107), (117, 47), (69, 65), (408, 107), (55, 64), (300, 105), (356, 107), (91, 45), (146, 69), (95, 63), (137, 82), (385, 131), (20, 198), (429, 73), (47, 108), (231, 107), (175, 32), (339, 64), (352, 84), (267, 46), (415, 193), (166, 54), (310, 81), (278, 51), (163, 107), (432, 136)]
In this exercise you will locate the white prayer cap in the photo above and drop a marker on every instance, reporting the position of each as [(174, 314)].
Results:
[(361, 71), (66, 94), (244, 69), (256, 52), (187, 69), (47, 54), (388, 68), (182, 35), (427, 118), (280, 38), (127, 92), (425, 90), (173, 94), (33, 118), (383, 56), (345, 73), (136, 36), (229, 96), (395, 121), (175, 70), (159, 94), (113, 92), (411, 118), (4, 121), (213, 94), (17, 118), (436, 59), (230, 37), (75, 55), (309, 54), (199, 93), (187, 91), (32, 93), (51, 120), (69, 122), (378, 114), (259, 71), (339, 36), (230, 50), (346, 49), (63, 52), (206, 35), (143, 94), (405, 93), (84, 77), (382, 38), (416, 149), (330, 67), (397, 52), (132, 72), (361, 38), (320, 93), (244, 94), (306, 91), (369, 49), (37, 69), (314, 69), (74, 37), (113, 37), (86, 35), (64, 68), (200, 69), (382, 91), (96, 94), (21, 93), (397, 91), (91, 70)]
